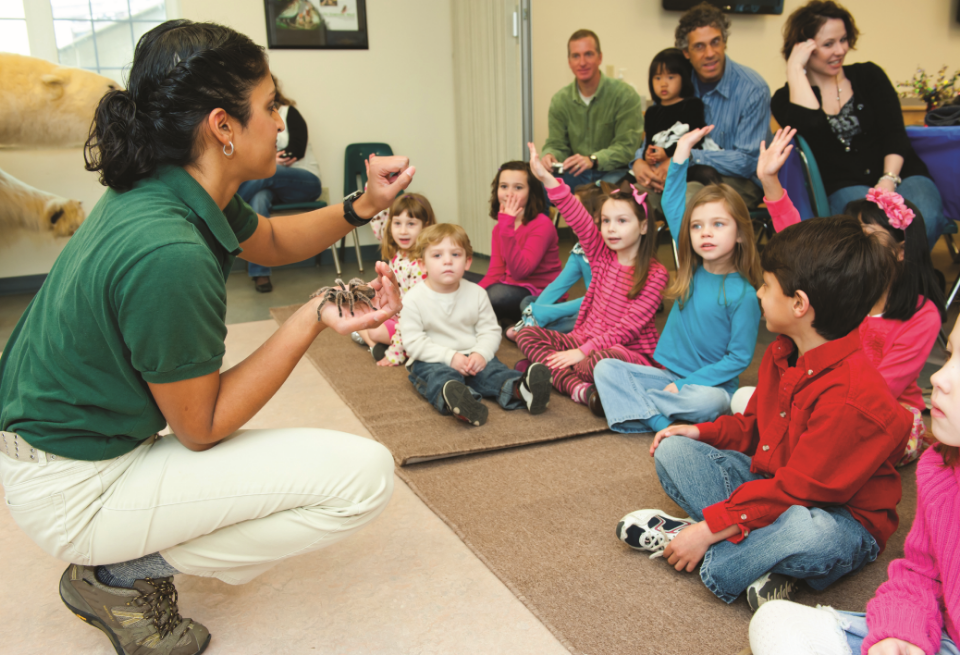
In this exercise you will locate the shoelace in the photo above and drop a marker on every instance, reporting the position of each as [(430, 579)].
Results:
[(162, 602), (654, 541)]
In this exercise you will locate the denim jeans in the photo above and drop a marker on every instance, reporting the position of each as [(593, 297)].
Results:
[(563, 324), (287, 185), (816, 544), (634, 400), (918, 189), (494, 381), (854, 625), (590, 176)]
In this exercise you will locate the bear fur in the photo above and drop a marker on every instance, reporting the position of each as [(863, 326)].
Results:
[(46, 105), (23, 206)]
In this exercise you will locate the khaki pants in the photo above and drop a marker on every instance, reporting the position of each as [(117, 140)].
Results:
[(230, 512)]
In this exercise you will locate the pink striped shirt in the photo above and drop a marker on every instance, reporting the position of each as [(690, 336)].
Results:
[(608, 318)]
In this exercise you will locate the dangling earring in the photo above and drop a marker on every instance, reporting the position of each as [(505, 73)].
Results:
[(228, 154)]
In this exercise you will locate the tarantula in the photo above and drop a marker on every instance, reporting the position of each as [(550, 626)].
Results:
[(353, 292)]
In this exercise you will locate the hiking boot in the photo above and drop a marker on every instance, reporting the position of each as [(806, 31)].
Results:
[(770, 586), (534, 388), (139, 621), (462, 404), (650, 530)]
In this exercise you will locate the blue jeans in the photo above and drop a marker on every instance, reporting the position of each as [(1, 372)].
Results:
[(563, 324), (287, 185), (816, 544), (918, 189), (590, 176), (634, 400), (854, 624), (494, 381)]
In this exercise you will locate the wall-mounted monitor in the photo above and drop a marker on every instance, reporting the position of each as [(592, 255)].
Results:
[(755, 7)]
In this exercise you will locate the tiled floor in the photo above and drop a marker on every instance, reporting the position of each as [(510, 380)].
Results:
[(406, 585)]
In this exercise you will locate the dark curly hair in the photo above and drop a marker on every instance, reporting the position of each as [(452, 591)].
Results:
[(702, 15), (181, 72), (805, 22)]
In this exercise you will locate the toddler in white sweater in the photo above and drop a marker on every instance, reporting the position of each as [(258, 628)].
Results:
[(451, 336)]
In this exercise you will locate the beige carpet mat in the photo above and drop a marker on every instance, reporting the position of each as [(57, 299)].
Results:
[(398, 417), (543, 519)]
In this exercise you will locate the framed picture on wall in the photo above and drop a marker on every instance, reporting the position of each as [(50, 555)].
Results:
[(754, 7), (317, 24)]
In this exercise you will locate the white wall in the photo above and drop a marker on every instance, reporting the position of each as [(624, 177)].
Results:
[(400, 91), (895, 34)]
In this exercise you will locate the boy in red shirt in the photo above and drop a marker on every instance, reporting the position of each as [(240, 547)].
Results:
[(802, 485)]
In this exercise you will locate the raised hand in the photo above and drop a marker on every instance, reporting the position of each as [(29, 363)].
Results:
[(539, 170), (386, 177), (687, 141), (773, 158)]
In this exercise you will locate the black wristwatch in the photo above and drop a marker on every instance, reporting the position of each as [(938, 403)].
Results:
[(349, 214), (593, 160)]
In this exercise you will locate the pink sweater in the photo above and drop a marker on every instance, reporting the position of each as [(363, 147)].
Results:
[(897, 349), (607, 317), (525, 257), (921, 598)]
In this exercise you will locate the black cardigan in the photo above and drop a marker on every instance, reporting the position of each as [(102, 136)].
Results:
[(297, 127), (877, 107)]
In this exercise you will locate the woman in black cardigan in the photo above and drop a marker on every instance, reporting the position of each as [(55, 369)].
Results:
[(850, 115)]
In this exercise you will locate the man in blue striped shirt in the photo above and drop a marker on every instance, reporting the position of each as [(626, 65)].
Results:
[(736, 101)]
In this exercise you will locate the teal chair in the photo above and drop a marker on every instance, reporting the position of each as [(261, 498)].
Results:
[(355, 176), (811, 172)]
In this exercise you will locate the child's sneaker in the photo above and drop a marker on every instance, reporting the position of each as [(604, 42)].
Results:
[(462, 404), (770, 586), (357, 339), (527, 319), (650, 530), (534, 388)]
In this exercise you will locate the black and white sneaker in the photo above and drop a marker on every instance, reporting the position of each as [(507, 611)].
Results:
[(462, 404), (534, 388), (770, 586), (650, 530)]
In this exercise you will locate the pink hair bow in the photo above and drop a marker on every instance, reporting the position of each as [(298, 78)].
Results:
[(641, 198), (898, 214)]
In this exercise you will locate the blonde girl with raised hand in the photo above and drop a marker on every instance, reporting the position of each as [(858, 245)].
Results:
[(711, 333), (616, 317), (397, 230)]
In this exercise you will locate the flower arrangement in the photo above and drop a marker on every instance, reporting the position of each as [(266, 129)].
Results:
[(934, 92)]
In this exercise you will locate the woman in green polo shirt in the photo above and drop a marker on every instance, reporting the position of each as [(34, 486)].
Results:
[(127, 335)]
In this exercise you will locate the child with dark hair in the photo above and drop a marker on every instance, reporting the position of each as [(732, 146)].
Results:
[(676, 111), (811, 460), (524, 256), (901, 328)]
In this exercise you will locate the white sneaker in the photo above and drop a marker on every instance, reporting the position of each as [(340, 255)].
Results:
[(650, 530)]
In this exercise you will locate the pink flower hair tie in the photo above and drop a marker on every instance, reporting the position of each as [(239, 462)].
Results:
[(641, 198), (898, 214)]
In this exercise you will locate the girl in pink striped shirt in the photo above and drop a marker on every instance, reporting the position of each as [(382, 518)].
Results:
[(616, 317)]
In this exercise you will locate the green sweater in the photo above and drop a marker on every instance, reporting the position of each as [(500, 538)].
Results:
[(610, 127)]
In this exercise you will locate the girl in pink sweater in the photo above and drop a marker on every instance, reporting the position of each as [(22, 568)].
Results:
[(899, 333), (524, 257), (917, 610), (616, 316)]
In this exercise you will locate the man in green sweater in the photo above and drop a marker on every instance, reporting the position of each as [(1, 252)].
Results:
[(595, 122)]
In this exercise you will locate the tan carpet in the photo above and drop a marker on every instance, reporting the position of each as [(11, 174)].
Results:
[(399, 418)]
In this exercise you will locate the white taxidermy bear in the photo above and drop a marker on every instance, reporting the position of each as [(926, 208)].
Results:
[(44, 105)]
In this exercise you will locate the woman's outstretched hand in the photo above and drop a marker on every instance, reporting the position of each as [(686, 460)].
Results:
[(687, 141), (539, 170), (386, 303), (386, 177)]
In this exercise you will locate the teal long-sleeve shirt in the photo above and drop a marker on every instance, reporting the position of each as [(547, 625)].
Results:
[(711, 340), (546, 309), (609, 127)]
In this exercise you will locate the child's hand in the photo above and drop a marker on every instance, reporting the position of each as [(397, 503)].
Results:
[(512, 206), (687, 141), (689, 546), (539, 171), (655, 155), (671, 388), (476, 362), (891, 646), (565, 359), (688, 431), (773, 158), (461, 365)]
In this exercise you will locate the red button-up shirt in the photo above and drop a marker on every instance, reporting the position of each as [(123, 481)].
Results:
[(827, 431)]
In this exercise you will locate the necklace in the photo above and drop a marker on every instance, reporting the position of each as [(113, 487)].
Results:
[(838, 89)]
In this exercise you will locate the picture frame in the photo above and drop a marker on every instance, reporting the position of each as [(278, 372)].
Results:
[(316, 24)]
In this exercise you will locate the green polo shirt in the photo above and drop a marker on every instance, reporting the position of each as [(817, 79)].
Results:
[(610, 127), (138, 295)]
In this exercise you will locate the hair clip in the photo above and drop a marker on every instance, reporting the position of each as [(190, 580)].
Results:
[(898, 214)]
